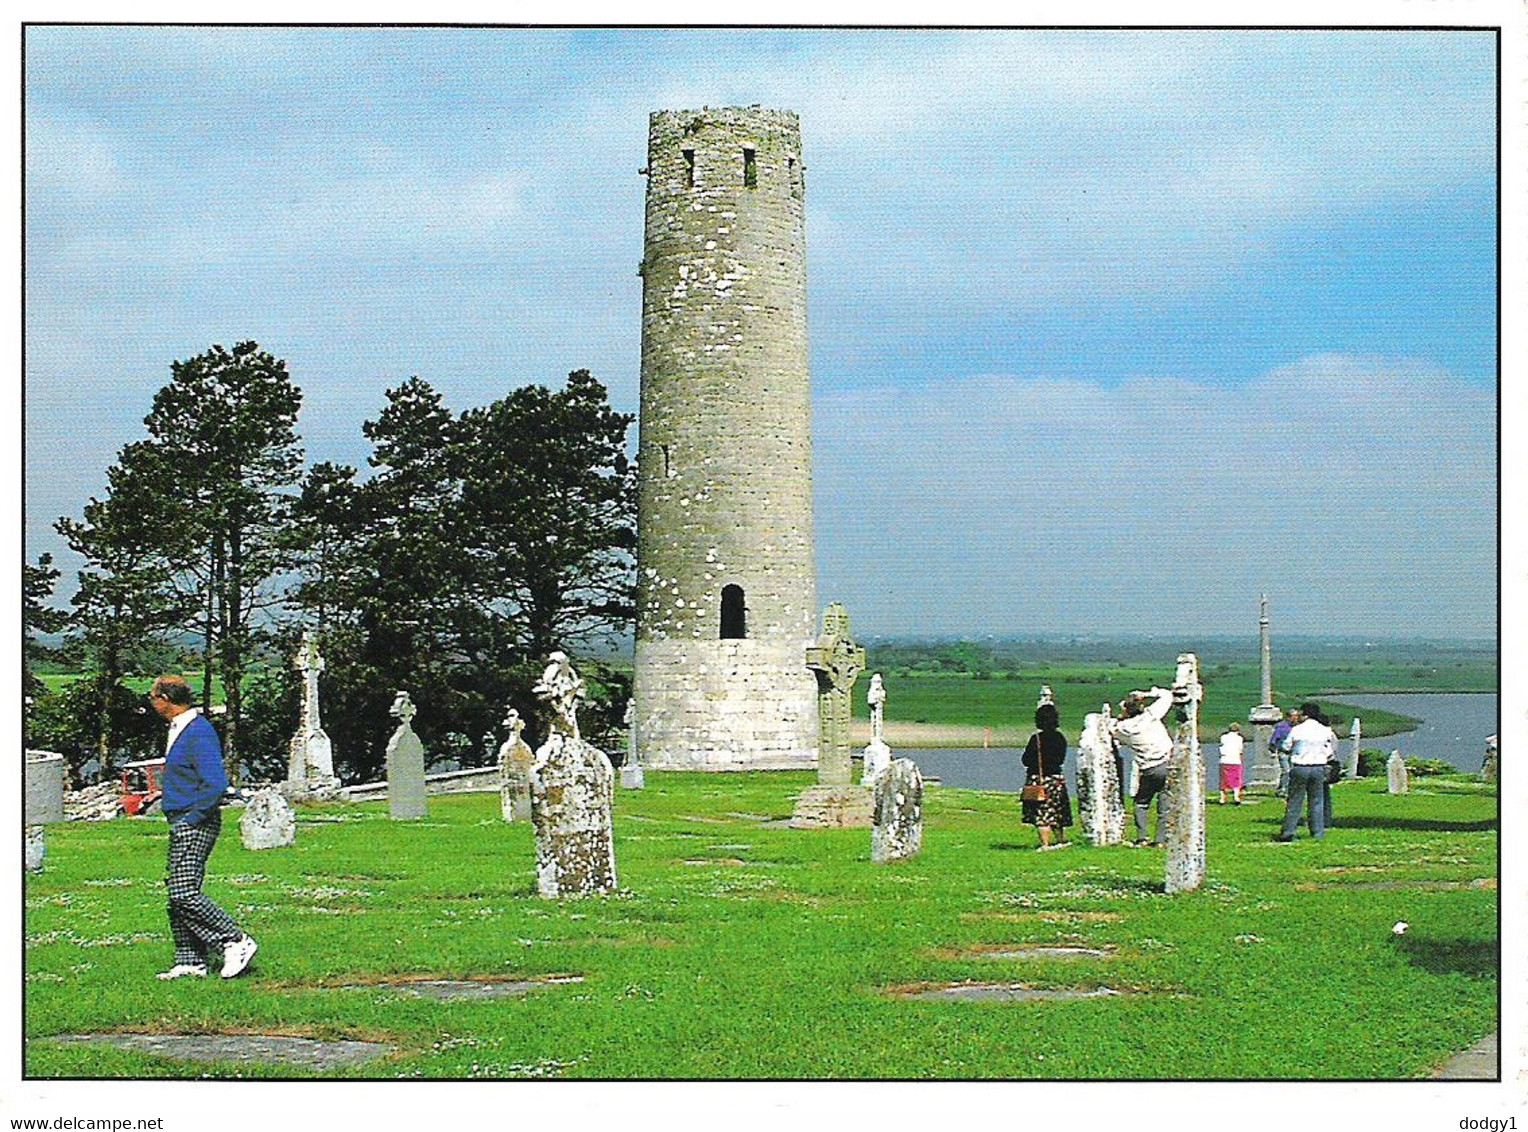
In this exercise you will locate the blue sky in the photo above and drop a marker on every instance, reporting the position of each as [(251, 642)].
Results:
[(1111, 331)]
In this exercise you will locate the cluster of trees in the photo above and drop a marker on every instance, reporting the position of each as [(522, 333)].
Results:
[(478, 543)]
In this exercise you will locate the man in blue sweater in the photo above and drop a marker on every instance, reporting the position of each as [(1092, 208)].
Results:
[(194, 782)]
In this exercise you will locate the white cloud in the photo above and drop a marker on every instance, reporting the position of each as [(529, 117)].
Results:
[(1361, 491)]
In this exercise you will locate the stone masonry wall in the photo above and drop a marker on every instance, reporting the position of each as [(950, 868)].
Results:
[(725, 496)]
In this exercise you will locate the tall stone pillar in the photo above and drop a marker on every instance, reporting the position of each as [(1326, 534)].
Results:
[(1185, 785), (310, 768), (1100, 807), (1263, 768)]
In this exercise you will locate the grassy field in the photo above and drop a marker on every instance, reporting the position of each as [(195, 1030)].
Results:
[(739, 948), (956, 708)]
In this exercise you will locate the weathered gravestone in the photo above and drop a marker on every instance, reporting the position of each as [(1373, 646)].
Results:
[(405, 764), (1355, 738), (877, 753), (1185, 785), (1490, 764), (36, 848), (310, 761), (572, 796), (1098, 794), (1400, 779), (515, 759), (268, 821), (43, 802), (898, 830), (835, 802), (632, 777)]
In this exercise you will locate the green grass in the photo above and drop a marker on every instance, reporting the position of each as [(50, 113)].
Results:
[(770, 956), (1005, 701)]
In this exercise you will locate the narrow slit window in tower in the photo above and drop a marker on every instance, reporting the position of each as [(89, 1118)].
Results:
[(750, 170), (689, 168), (668, 470), (734, 616)]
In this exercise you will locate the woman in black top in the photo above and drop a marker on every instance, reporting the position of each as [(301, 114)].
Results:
[(1044, 758)]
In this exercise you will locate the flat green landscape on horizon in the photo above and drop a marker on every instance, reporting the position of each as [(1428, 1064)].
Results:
[(737, 948)]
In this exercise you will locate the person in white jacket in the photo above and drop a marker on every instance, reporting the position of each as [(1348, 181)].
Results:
[(1309, 743), (1141, 729)]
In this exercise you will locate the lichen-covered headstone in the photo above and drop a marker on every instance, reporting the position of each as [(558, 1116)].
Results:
[(405, 764), (1490, 764), (877, 753), (1098, 794), (836, 802), (1185, 785), (898, 830), (632, 777), (572, 796), (268, 821), (1400, 779), (515, 759), (36, 848)]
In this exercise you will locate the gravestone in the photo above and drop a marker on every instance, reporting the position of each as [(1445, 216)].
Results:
[(835, 802), (1185, 784), (1099, 804), (515, 759), (1489, 765), (405, 764), (268, 821), (310, 761), (1400, 779), (43, 802), (632, 777), (898, 830), (877, 753), (1355, 738), (572, 796)]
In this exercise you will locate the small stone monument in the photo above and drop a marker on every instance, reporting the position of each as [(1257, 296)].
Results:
[(1185, 785), (572, 796), (1099, 805), (405, 764), (43, 803), (898, 830), (632, 777), (1355, 738), (1489, 766), (835, 802), (268, 821), (1400, 779), (310, 764), (877, 753), (36, 848), (515, 759), (1046, 696)]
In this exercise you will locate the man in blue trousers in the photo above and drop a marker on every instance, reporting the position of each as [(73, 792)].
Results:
[(194, 783)]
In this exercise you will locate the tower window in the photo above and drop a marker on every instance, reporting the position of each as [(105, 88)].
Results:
[(734, 614), (689, 168), (750, 170)]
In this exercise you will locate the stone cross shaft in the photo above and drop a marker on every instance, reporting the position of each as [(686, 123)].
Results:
[(1185, 785), (310, 662), (837, 662), (876, 698)]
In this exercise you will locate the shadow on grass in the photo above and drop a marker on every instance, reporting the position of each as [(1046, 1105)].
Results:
[(1420, 825), (1451, 956), (1007, 846)]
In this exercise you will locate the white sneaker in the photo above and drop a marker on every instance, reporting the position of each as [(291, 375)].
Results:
[(183, 971), (236, 955)]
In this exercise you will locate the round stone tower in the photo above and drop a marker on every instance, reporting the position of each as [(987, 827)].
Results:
[(726, 575)]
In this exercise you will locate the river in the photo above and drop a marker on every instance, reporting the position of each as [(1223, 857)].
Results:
[(1454, 728)]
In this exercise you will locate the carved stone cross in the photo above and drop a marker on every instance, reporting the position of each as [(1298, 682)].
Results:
[(403, 709), (837, 662)]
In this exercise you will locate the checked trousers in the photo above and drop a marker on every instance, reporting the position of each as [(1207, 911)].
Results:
[(197, 924)]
